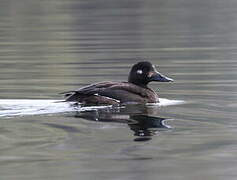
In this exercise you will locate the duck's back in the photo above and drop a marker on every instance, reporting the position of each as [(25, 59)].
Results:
[(112, 93)]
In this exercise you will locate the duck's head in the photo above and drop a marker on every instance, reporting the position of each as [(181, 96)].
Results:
[(144, 72)]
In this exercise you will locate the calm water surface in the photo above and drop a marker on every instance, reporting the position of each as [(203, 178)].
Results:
[(47, 47)]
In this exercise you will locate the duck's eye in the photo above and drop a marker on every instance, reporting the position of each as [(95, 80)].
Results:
[(139, 71)]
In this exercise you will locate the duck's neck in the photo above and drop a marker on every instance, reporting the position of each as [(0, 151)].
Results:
[(139, 84)]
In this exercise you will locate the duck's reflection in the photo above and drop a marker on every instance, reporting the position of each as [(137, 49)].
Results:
[(141, 119)]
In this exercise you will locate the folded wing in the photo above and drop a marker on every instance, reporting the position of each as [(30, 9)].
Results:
[(110, 93)]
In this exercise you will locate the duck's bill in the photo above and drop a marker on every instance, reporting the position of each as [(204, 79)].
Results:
[(156, 76)]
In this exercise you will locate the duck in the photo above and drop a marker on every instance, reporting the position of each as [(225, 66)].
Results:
[(133, 91)]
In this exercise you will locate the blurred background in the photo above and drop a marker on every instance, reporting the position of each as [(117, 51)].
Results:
[(51, 46)]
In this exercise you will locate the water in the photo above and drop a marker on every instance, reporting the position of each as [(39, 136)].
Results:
[(48, 47), (19, 107)]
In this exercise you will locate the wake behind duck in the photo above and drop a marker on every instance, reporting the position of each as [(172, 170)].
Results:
[(24, 107)]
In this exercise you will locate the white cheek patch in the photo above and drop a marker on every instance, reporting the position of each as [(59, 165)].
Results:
[(139, 71)]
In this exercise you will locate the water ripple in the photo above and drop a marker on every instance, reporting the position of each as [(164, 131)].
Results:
[(23, 107)]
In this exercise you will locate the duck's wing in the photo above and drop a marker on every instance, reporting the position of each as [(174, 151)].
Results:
[(110, 91), (90, 89), (92, 94), (130, 93)]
